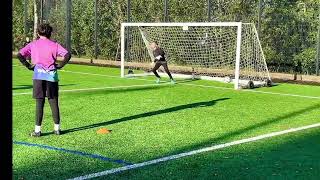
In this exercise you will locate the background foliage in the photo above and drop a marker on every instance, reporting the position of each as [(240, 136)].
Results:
[(289, 28)]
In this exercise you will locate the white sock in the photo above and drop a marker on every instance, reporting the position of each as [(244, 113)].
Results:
[(56, 127), (37, 129)]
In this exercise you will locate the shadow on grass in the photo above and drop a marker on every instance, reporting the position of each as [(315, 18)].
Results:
[(223, 138), (22, 87), (109, 90), (32, 163), (148, 114), (287, 160), (185, 80), (25, 86), (133, 88), (293, 156), (167, 80)]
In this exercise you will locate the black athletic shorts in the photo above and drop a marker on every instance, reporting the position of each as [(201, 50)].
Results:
[(161, 62), (43, 88)]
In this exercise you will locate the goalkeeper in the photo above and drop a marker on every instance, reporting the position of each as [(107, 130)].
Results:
[(44, 52), (160, 60)]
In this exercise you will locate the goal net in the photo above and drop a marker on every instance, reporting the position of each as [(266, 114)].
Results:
[(222, 51)]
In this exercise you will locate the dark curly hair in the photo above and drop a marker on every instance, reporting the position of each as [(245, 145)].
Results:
[(44, 30)]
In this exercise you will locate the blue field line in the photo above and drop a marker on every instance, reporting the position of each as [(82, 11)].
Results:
[(95, 156)]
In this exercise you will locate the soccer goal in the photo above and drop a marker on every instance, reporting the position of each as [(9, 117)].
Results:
[(222, 51)]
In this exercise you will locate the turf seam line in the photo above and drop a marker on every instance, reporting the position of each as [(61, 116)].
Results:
[(194, 152), (98, 88), (94, 156)]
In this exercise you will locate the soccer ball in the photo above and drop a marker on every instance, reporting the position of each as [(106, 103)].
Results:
[(130, 71), (227, 79), (250, 85), (269, 83)]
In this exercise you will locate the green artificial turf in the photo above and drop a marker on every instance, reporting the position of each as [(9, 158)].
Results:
[(149, 121)]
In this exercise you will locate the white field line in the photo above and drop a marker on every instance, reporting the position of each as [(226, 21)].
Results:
[(103, 75), (283, 94), (194, 152), (93, 74), (205, 86), (254, 91), (76, 72), (216, 87), (99, 88)]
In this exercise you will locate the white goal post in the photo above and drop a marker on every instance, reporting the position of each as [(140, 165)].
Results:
[(222, 51)]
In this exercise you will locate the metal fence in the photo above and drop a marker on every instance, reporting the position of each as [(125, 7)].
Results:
[(289, 30)]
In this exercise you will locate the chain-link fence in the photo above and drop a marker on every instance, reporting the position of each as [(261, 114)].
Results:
[(289, 30)]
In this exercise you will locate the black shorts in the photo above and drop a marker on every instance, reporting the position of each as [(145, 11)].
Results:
[(43, 88), (161, 62)]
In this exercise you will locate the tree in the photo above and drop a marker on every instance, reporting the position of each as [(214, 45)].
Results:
[(288, 33), (36, 18)]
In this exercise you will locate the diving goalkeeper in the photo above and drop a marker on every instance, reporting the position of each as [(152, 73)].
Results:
[(160, 60)]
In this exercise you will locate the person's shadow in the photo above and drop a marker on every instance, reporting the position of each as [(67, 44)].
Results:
[(148, 114), (24, 86)]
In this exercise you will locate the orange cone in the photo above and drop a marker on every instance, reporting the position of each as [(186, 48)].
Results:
[(103, 131)]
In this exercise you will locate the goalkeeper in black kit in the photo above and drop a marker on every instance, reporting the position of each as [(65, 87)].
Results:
[(160, 60)]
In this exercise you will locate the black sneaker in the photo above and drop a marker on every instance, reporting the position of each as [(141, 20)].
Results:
[(57, 132), (35, 134)]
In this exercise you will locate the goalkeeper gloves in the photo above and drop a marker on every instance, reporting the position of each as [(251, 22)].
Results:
[(23, 61), (31, 67), (58, 66), (66, 59)]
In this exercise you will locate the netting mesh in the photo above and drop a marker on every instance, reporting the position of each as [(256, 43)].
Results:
[(54, 13), (252, 62), (199, 50)]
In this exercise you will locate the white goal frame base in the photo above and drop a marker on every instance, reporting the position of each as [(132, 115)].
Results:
[(243, 84)]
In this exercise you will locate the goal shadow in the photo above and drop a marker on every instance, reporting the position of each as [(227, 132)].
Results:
[(30, 86), (148, 114)]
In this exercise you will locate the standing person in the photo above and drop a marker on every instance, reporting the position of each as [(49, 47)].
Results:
[(160, 60), (44, 52)]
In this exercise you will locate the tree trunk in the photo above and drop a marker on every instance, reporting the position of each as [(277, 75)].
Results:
[(36, 18), (120, 19), (295, 76)]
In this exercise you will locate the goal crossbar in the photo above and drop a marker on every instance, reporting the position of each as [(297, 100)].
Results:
[(125, 24)]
